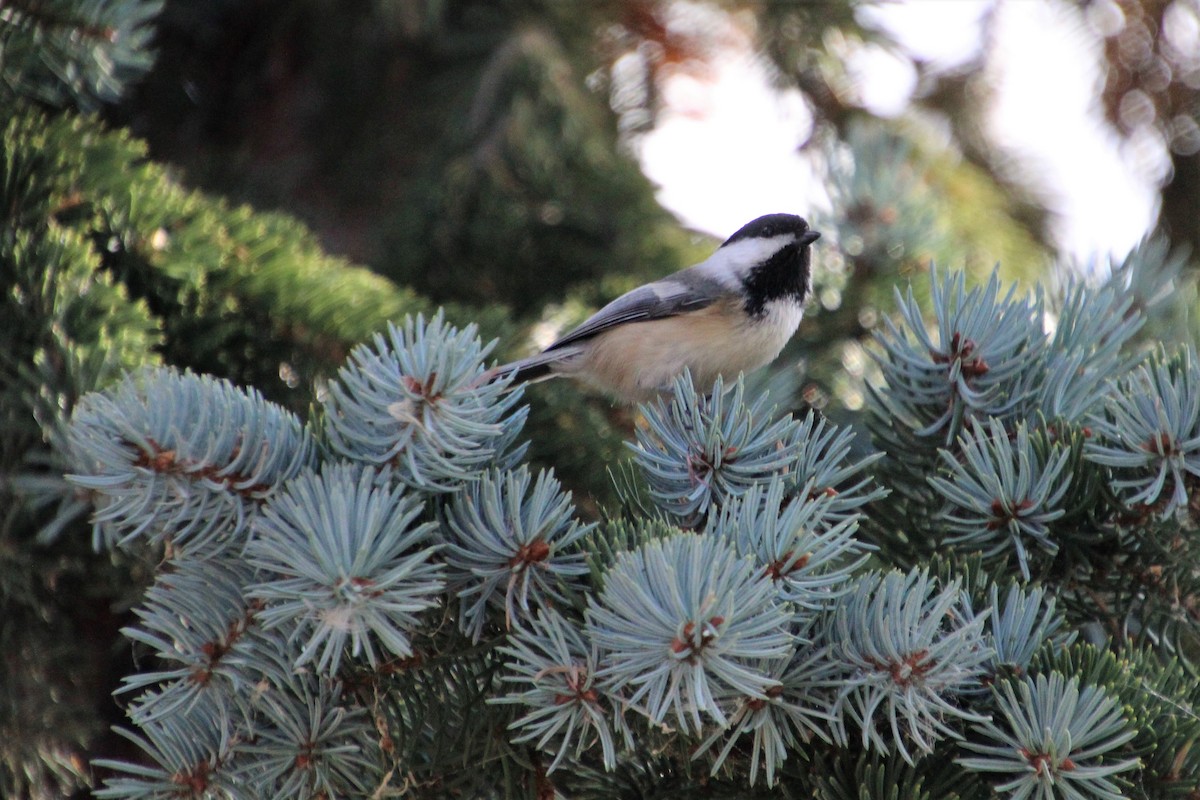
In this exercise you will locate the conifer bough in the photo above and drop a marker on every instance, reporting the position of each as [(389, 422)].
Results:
[(356, 612)]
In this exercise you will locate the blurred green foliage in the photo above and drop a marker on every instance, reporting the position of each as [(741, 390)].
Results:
[(264, 185)]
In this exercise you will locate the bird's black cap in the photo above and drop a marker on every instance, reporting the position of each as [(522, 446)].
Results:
[(773, 225)]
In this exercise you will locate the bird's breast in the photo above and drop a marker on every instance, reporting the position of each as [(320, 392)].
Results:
[(637, 361)]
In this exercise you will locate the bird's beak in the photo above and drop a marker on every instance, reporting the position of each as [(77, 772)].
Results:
[(808, 237)]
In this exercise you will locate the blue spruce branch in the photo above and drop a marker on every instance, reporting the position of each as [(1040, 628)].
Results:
[(1093, 328), (737, 641), (307, 744), (179, 457), (1150, 433), (1054, 739), (978, 365), (1027, 621), (800, 707), (511, 543), (699, 452), (422, 401), (811, 564), (555, 669), (199, 625), (909, 650), (684, 626), (190, 754), (346, 565), (1002, 493)]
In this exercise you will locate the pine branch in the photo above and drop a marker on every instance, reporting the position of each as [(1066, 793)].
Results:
[(74, 53)]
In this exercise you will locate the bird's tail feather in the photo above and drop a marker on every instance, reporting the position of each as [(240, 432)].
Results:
[(530, 370)]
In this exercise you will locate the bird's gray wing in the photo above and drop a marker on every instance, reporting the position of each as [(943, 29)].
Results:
[(688, 290)]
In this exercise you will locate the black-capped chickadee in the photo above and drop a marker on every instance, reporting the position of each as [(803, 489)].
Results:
[(731, 313)]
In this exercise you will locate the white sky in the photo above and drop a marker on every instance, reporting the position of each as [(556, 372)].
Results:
[(724, 151)]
